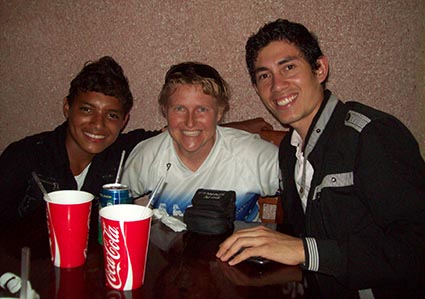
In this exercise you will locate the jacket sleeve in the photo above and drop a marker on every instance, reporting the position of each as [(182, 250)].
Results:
[(15, 172), (389, 179)]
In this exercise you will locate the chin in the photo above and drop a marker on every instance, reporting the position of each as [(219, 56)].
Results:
[(191, 150), (95, 151)]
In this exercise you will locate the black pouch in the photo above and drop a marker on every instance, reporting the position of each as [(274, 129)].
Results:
[(212, 212)]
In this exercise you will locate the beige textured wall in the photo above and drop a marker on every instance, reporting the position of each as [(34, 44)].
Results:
[(376, 50)]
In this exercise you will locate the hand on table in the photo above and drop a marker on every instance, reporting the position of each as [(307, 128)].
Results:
[(264, 242)]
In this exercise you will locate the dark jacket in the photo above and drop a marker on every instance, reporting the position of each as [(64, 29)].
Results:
[(366, 206), (45, 153)]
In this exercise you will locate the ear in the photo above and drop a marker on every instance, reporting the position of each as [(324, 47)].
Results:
[(65, 107), (322, 71), (164, 111), (126, 119), (220, 115)]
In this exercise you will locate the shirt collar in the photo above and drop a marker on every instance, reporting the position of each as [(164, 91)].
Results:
[(296, 139)]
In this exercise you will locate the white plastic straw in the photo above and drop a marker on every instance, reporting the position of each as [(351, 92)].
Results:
[(155, 190), (158, 186), (25, 269), (117, 179), (40, 185)]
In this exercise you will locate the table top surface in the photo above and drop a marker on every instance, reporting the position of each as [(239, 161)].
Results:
[(179, 265)]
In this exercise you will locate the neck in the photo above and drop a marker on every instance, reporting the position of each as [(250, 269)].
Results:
[(193, 163), (78, 159), (77, 165), (194, 160), (303, 125)]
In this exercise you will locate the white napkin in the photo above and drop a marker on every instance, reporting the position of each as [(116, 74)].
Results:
[(13, 284), (170, 221)]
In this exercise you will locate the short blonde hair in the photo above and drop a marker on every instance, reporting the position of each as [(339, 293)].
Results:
[(194, 73)]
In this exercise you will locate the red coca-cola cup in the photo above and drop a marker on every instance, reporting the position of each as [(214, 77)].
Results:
[(68, 214), (125, 231)]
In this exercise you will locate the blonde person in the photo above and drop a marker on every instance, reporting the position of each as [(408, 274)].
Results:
[(202, 154)]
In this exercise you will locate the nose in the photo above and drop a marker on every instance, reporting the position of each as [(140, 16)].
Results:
[(190, 119), (279, 83), (97, 120)]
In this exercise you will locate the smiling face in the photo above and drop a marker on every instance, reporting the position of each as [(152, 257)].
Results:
[(192, 118), (94, 122), (288, 86)]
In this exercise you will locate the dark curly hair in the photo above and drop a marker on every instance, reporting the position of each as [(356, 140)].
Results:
[(105, 76), (283, 30)]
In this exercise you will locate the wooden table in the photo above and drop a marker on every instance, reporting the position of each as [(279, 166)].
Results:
[(180, 265)]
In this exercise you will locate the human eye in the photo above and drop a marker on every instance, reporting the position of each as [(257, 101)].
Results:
[(203, 109), (178, 108), (114, 115), (289, 67), (85, 109), (262, 76)]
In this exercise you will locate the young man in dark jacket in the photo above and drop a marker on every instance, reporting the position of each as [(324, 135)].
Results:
[(83, 153), (353, 189)]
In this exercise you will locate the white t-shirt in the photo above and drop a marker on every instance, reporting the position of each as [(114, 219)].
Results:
[(238, 161), (81, 177)]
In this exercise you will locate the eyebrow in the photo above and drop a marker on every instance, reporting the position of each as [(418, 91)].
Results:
[(280, 62), (287, 59), (109, 110), (117, 111)]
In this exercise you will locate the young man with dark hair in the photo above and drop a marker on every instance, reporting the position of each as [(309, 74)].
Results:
[(82, 153), (353, 189)]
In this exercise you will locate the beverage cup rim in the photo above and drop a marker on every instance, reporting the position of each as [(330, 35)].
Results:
[(128, 213), (85, 197), (114, 185)]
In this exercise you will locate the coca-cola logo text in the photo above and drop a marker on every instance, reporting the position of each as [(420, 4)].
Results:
[(111, 237)]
